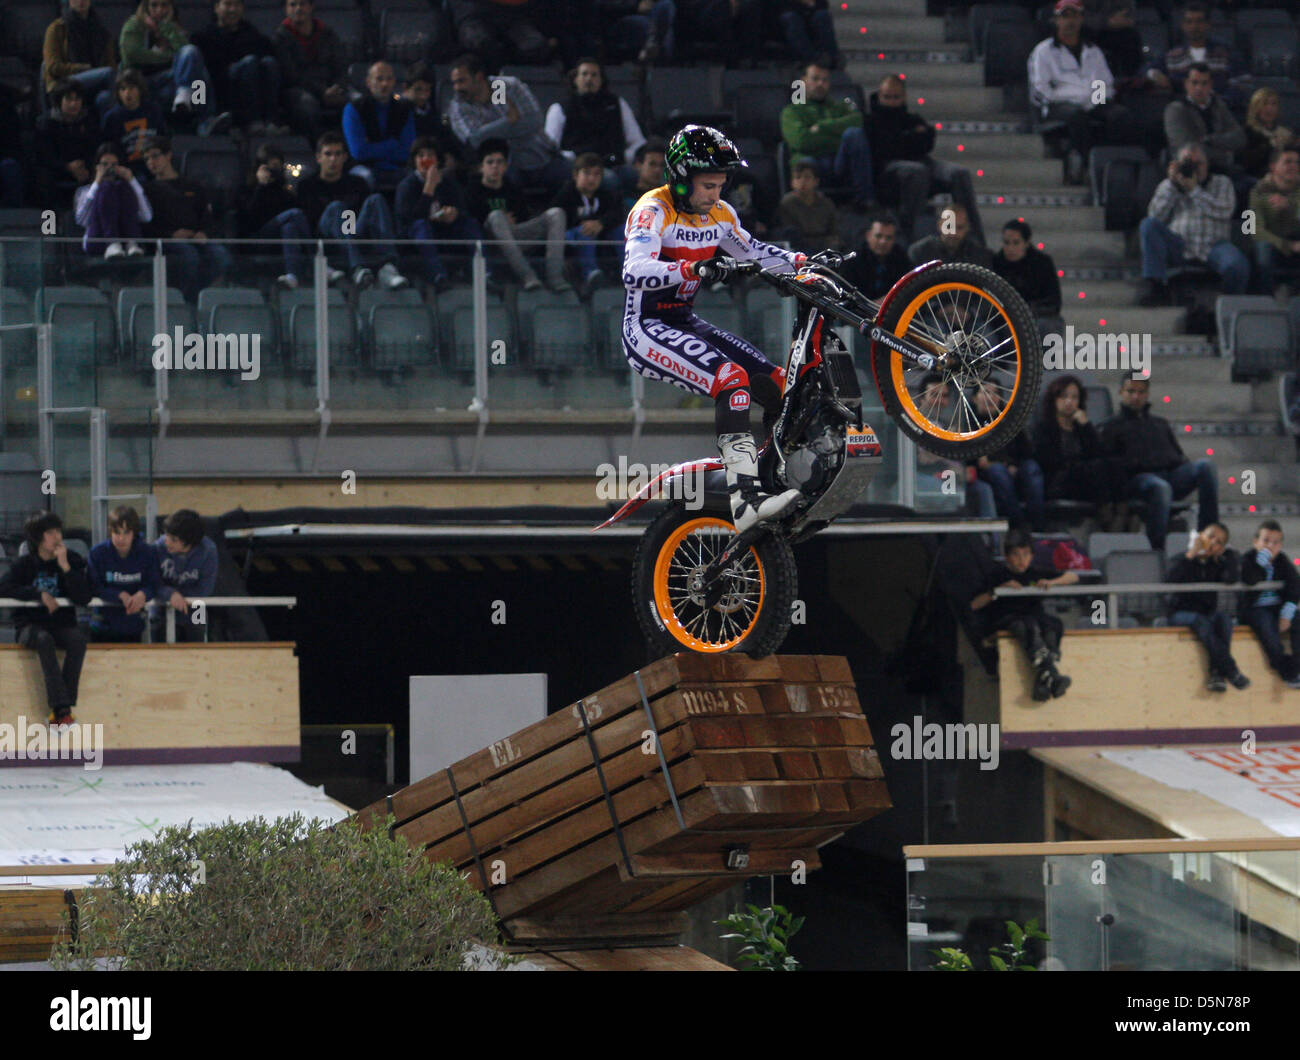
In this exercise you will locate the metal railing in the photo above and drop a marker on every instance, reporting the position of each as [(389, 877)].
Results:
[(169, 620)]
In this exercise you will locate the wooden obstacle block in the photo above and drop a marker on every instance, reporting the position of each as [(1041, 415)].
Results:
[(629, 800)]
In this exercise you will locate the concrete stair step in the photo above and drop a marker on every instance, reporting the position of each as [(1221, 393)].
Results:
[(884, 8), (978, 149), (946, 102), (1194, 401), (1094, 246), (903, 29), (925, 77), (1000, 176), (1119, 320), (1171, 372), (1231, 455), (1272, 481)]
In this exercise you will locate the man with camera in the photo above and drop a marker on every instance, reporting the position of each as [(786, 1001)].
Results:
[(1188, 220)]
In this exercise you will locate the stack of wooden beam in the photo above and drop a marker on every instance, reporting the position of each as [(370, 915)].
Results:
[(656, 792)]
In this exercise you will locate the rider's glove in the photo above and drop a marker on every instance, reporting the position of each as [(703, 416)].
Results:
[(713, 269)]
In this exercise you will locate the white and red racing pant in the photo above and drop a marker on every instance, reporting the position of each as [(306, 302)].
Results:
[(682, 348)]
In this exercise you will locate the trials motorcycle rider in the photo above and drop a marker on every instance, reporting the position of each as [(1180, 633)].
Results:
[(673, 233)]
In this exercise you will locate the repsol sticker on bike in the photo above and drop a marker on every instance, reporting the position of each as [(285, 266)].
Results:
[(861, 442)]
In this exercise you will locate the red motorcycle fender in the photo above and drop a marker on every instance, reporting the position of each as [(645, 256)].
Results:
[(884, 305), (653, 489)]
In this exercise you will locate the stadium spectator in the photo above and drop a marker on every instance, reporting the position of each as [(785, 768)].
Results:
[(935, 399), (112, 208), (1275, 201), (881, 260), (1202, 118), (327, 194), (643, 29), (124, 574), (154, 43), (498, 205), (313, 69), (431, 205), (46, 572), (1069, 81), (901, 143), (418, 92), (831, 133), (1158, 471), (953, 243), (245, 72), (1208, 559), (807, 218), (592, 212), (133, 120), (79, 48), (1011, 472), (1188, 219), (505, 109), (66, 138), (593, 119), (1069, 450), (182, 215), (379, 129), (1032, 273), (187, 561), (1025, 617), (268, 209), (644, 174), (1264, 133), (11, 152), (809, 30), (1170, 70), (493, 28), (1269, 612)]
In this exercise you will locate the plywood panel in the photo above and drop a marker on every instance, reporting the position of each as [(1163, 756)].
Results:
[(1140, 686), (177, 702)]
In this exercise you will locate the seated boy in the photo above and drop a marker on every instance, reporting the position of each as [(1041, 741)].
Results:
[(1208, 559), (1268, 612), (47, 571), (187, 560), (123, 568), (806, 216), (1026, 618), (591, 212)]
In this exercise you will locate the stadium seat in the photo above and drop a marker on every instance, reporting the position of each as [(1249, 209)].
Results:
[(219, 168), (226, 310), (981, 15), (459, 333), (758, 110), (264, 18), (82, 329), (1100, 545), (114, 15), (399, 329), (22, 28), (135, 322), (411, 31), (678, 94), (1100, 158), (1272, 50), (1100, 405), (607, 322), (1155, 40), (555, 329), (350, 23), (1006, 52), (1255, 333), (1136, 567), (298, 326), (17, 348), (20, 490)]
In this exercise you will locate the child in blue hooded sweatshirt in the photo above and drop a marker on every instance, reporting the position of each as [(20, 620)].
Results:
[(124, 568), (188, 561)]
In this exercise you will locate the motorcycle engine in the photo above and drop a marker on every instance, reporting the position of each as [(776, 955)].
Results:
[(812, 464)]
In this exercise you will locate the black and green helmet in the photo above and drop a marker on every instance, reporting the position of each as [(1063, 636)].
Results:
[(698, 149)]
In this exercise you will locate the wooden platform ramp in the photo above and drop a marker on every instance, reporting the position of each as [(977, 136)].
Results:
[(600, 823)]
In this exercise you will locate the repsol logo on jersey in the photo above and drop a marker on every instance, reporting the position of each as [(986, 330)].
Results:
[(696, 235), (677, 367)]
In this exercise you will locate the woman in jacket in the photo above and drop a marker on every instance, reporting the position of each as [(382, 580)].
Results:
[(1068, 449)]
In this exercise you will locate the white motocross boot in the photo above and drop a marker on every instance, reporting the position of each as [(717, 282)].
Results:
[(749, 504)]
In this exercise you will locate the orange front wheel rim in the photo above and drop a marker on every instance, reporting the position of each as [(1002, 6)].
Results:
[(682, 608), (992, 355)]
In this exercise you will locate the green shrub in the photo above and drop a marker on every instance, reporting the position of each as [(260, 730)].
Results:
[(766, 934), (284, 895)]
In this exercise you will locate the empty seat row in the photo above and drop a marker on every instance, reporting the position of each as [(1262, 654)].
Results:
[(1257, 334)]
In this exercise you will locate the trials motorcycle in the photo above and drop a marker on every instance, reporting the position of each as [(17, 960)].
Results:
[(954, 355)]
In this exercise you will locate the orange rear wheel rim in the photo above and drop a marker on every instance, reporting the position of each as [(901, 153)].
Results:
[(720, 628), (897, 366)]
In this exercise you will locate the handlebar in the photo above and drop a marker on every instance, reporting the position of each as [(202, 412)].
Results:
[(860, 314)]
